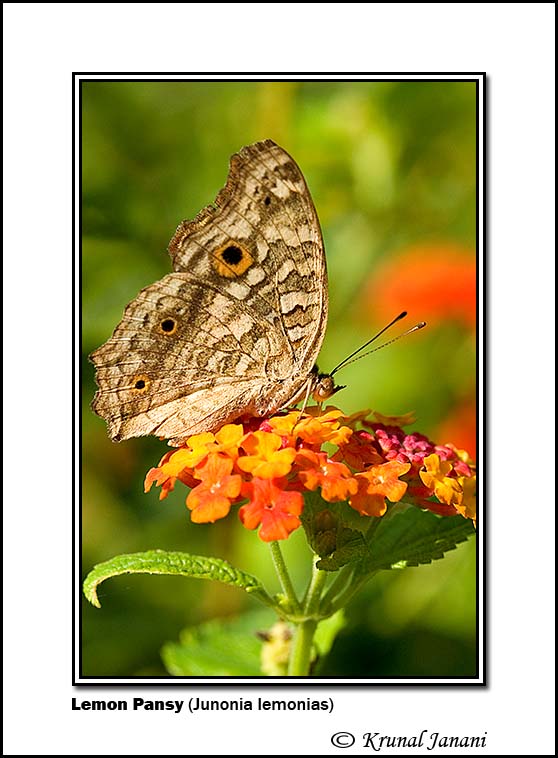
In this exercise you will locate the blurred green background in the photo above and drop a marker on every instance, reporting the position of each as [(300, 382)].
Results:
[(391, 168)]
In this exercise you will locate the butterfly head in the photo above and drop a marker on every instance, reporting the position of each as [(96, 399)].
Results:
[(325, 387)]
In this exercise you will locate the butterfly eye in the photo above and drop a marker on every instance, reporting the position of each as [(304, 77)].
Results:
[(168, 326), (267, 201)]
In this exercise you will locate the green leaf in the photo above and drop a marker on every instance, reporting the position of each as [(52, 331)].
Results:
[(411, 537), (328, 534), (223, 647), (327, 631), (173, 564)]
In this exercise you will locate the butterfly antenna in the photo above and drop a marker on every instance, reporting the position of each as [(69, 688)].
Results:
[(348, 360), (375, 337)]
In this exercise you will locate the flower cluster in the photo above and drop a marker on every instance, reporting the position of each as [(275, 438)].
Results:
[(364, 459)]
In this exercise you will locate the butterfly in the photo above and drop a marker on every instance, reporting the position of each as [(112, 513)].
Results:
[(235, 330)]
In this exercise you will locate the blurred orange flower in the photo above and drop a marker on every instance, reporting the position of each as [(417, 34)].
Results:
[(437, 281), (460, 426)]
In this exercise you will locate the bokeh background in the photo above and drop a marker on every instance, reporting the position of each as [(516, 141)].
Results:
[(392, 170)]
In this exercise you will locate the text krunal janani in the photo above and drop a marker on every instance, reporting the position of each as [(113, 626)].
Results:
[(430, 740)]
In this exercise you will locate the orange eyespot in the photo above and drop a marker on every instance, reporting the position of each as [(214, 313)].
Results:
[(231, 260), (141, 383), (168, 326)]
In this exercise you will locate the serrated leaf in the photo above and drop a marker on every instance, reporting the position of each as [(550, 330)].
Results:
[(351, 546), (222, 647), (413, 537), (171, 564)]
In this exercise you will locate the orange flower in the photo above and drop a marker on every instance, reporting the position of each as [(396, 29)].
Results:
[(317, 470), (212, 499), (447, 489), (273, 507), (377, 483), (360, 451), (272, 461), (283, 425), (165, 476), (326, 428), (178, 464), (264, 459), (175, 464), (311, 429), (165, 482)]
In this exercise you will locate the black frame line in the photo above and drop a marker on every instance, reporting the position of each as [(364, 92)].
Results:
[(290, 76), (78, 680)]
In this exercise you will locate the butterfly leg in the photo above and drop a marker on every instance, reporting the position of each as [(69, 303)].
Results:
[(305, 401)]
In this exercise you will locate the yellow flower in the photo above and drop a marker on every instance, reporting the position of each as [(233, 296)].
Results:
[(264, 459), (468, 506), (447, 489)]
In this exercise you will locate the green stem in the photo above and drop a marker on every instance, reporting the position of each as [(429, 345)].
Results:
[(301, 650), (338, 584), (264, 598), (283, 575), (314, 594)]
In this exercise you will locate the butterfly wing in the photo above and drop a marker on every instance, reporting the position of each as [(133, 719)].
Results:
[(185, 358), (261, 240), (237, 328)]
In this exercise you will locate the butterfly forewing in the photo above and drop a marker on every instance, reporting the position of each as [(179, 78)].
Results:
[(266, 209), (237, 328)]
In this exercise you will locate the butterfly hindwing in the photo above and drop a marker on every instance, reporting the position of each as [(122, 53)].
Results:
[(178, 337)]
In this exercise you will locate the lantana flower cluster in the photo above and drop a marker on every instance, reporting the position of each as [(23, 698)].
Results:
[(267, 466)]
